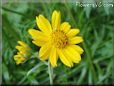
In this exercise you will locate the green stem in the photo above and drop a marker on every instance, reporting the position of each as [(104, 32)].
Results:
[(50, 70)]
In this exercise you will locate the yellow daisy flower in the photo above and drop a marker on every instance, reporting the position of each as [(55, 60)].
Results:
[(57, 40), (23, 49)]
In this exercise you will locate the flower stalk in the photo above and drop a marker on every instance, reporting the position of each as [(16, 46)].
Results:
[(50, 71)]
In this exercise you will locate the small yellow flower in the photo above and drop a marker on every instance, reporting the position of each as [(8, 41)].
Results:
[(23, 49), (57, 40)]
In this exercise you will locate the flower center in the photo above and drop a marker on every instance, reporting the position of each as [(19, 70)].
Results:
[(59, 39)]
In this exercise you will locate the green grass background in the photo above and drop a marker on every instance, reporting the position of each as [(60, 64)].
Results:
[(96, 26)]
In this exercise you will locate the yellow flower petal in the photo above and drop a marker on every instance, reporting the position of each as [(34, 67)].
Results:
[(77, 48), (20, 48), (73, 32), (45, 51), (53, 57), (72, 54), (69, 59), (22, 43), (37, 34), (22, 59), (39, 42), (65, 27), (43, 24), (23, 52), (18, 62), (19, 59), (75, 40), (63, 58), (44, 57), (16, 57), (56, 19)]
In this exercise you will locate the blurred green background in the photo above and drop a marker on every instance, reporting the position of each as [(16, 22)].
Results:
[(96, 26)]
